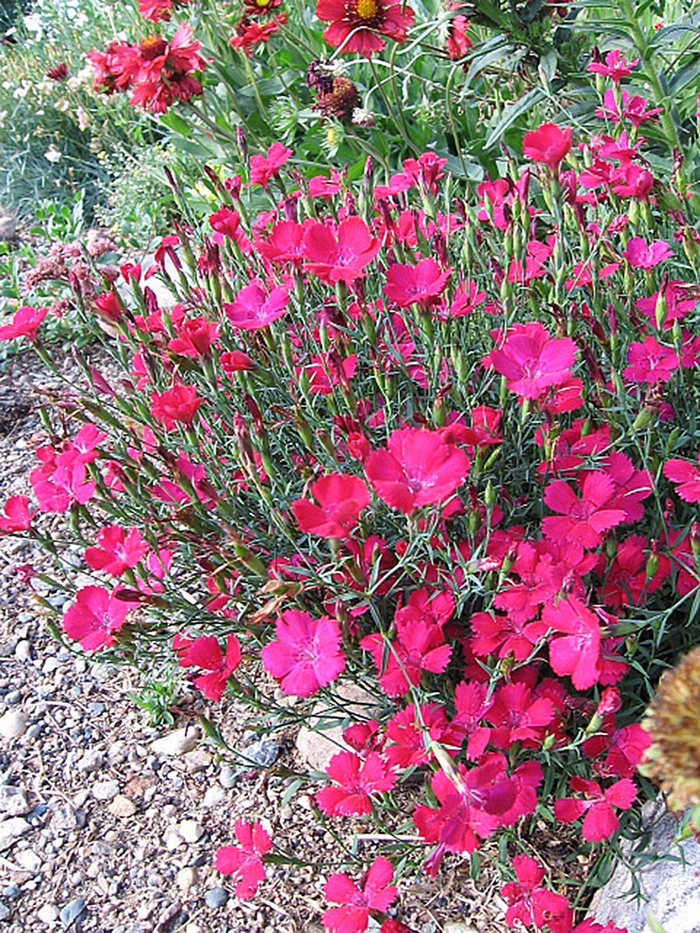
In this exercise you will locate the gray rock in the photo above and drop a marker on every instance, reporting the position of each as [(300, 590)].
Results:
[(4, 913), (13, 801), (667, 875), (191, 831), (13, 724), (105, 790), (73, 914), (214, 796), (176, 743), (12, 829), (48, 914), (227, 777), (215, 898), (91, 761)]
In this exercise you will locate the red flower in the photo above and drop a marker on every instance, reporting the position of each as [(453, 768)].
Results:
[(375, 893), (419, 646), (339, 257), (251, 34), (206, 653), (94, 616), (264, 168), (650, 362), (17, 516), (195, 338), (418, 468), (25, 323), (306, 655), (176, 406), (358, 778), (531, 905), (548, 145), (253, 308), (687, 475), (600, 821), (576, 652), (245, 859), (421, 284), (117, 550), (532, 361), (341, 499), (583, 520), (357, 25)]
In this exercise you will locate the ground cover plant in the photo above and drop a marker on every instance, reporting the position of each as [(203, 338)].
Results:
[(409, 433)]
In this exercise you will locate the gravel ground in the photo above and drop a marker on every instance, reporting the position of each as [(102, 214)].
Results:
[(107, 824)]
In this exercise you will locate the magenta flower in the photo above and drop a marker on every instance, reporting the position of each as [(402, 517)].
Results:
[(529, 904), (633, 109), (419, 646), (418, 468), (25, 323), (532, 361), (616, 67), (246, 859), (264, 168), (575, 650), (357, 779), (374, 893), (306, 655), (117, 550), (17, 516), (582, 520), (94, 616), (340, 499), (195, 338), (548, 145), (421, 284), (600, 820), (641, 256), (206, 653), (686, 475), (253, 308), (650, 362), (339, 257)]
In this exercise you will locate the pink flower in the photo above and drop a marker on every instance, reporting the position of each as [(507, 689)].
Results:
[(117, 550), (600, 821), (687, 475), (650, 362), (532, 361), (178, 405), (94, 616), (418, 468), (357, 779), (575, 652), (532, 905), (264, 168), (548, 145), (419, 646), (582, 521), (357, 25), (253, 308), (205, 652), (25, 323), (339, 257), (616, 67), (641, 256), (420, 284), (341, 498), (17, 516), (246, 859), (306, 655), (374, 893)]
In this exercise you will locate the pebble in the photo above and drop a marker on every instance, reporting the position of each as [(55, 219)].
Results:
[(48, 914), (13, 724), (197, 760), (214, 796), (105, 790), (186, 879), (122, 807), (11, 891), (215, 898), (23, 651), (73, 914), (176, 743), (4, 912), (172, 839), (191, 831), (227, 777), (13, 698), (28, 859), (12, 829), (91, 761), (13, 801)]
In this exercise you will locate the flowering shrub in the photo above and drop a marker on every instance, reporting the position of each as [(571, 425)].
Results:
[(422, 438)]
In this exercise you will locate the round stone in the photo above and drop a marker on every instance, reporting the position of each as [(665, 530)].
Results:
[(215, 898)]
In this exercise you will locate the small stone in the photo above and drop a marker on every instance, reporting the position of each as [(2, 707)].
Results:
[(73, 914), (28, 859), (215, 898), (12, 829), (4, 912), (214, 796), (13, 724), (227, 777), (197, 760), (193, 928), (13, 698), (13, 801), (48, 914), (122, 807), (191, 831), (186, 879), (172, 839), (176, 743), (23, 651), (105, 790), (91, 761), (11, 891), (50, 665)]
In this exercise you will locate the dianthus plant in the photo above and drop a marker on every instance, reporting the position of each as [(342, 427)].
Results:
[(440, 446)]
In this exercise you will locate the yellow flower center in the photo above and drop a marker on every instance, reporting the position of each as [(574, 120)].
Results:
[(366, 9)]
